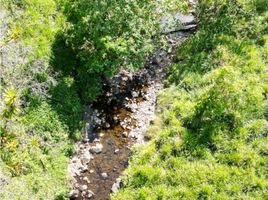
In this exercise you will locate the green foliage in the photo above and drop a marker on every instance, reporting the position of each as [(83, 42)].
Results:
[(108, 35), (41, 115), (11, 103), (212, 142), (36, 25)]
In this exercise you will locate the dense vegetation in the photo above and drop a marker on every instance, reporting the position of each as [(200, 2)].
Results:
[(211, 140), (34, 131), (101, 37)]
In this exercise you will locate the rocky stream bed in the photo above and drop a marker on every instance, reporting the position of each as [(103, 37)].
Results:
[(119, 119)]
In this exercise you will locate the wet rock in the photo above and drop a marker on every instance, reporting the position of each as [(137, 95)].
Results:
[(97, 149), (97, 120), (107, 125), (83, 193), (104, 175), (156, 60)]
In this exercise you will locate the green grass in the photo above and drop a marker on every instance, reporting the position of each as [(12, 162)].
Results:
[(212, 141)]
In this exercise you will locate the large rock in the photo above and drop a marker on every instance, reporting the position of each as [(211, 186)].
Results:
[(97, 148), (76, 167), (177, 22)]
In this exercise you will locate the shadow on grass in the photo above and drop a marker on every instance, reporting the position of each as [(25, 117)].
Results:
[(64, 95)]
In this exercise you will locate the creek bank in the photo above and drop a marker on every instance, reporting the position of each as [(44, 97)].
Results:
[(116, 121)]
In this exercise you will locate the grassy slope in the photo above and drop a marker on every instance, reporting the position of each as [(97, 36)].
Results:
[(210, 141), (35, 140)]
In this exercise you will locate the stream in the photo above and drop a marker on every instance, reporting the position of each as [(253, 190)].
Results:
[(119, 119)]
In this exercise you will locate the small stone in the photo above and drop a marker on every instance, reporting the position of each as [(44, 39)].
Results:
[(83, 169), (96, 140), (97, 148), (123, 125), (134, 94), (116, 151), (76, 185), (91, 171), (90, 194), (83, 187), (133, 135), (86, 157), (116, 185), (125, 134), (104, 175), (107, 125), (125, 78), (101, 134), (84, 193), (156, 60), (162, 53), (86, 179), (134, 106), (74, 194), (85, 140)]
